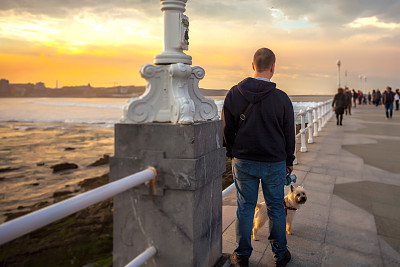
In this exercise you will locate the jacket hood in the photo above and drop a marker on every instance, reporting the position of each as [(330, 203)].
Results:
[(255, 90)]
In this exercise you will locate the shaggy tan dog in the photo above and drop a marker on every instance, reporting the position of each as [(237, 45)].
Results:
[(293, 200)]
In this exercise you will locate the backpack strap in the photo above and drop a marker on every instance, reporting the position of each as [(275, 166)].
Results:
[(244, 115)]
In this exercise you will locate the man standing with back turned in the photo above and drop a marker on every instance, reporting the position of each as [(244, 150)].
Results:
[(259, 134)]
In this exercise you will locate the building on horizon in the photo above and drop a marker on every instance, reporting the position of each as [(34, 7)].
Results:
[(5, 89)]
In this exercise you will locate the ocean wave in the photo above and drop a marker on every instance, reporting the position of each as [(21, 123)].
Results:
[(67, 121), (81, 103)]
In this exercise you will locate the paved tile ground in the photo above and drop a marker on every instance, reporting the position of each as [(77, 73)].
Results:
[(352, 215)]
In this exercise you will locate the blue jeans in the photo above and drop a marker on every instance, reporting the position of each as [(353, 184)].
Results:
[(389, 107), (247, 175)]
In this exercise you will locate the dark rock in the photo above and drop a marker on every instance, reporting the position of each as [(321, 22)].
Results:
[(35, 184), (69, 149), (39, 205), (2, 178), (61, 194), (95, 182), (40, 164), (8, 169), (63, 166), (102, 161), (20, 207), (13, 215)]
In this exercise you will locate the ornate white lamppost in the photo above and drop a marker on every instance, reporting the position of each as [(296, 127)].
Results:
[(361, 79), (172, 92), (338, 65)]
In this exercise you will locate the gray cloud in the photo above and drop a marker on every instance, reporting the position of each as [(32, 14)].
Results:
[(328, 12), (339, 12), (60, 8), (250, 10)]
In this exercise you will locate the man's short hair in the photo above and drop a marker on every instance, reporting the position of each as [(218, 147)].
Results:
[(263, 59)]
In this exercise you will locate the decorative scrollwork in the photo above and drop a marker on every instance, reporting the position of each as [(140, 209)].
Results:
[(198, 72), (207, 111), (139, 111), (147, 71)]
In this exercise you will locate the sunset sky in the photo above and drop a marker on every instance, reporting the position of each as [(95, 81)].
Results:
[(104, 42)]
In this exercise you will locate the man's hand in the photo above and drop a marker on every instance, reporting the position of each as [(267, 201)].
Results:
[(289, 169)]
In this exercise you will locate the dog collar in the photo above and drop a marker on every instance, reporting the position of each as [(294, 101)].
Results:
[(287, 207)]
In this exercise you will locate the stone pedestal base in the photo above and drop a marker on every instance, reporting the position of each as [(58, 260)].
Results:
[(182, 217), (172, 95)]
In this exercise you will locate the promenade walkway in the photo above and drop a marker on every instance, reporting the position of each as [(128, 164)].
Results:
[(352, 178)]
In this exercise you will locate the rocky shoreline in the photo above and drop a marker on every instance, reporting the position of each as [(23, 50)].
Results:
[(81, 239)]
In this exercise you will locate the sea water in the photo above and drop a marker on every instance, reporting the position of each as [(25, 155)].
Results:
[(105, 111)]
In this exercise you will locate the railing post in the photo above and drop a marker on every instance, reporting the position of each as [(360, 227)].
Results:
[(303, 131), (325, 113), (315, 108), (295, 133), (310, 125), (319, 117)]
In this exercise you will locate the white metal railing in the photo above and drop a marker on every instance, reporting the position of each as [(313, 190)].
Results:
[(322, 114), (228, 190), (143, 257), (35, 220)]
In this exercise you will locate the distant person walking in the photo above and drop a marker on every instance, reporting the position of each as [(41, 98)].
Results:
[(259, 133), (373, 97), (348, 97), (397, 98), (369, 98), (388, 98), (339, 104), (378, 98), (360, 97), (355, 96)]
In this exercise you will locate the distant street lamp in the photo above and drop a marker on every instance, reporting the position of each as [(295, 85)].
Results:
[(361, 78), (338, 65), (365, 83)]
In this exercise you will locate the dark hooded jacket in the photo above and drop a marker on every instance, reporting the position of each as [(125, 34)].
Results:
[(267, 134)]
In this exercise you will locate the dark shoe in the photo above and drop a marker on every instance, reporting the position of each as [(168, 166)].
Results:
[(286, 258), (341, 124), (240, 260)]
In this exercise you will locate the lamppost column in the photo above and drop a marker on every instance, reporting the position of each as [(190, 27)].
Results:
[(338, 64), (176, 33)]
